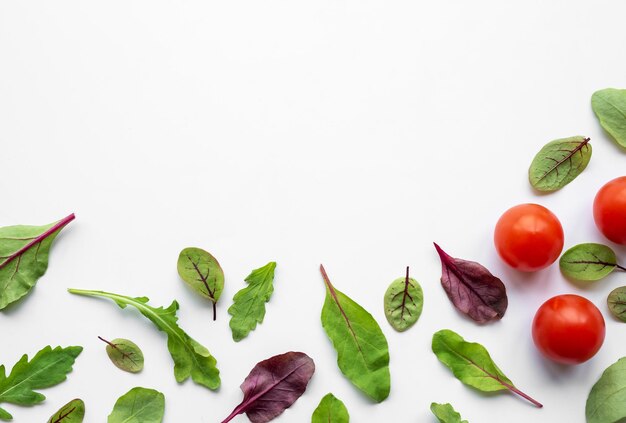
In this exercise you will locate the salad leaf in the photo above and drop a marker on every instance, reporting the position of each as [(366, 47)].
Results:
[(607, 400), (274, 385), (362, 349), (445, 413), (24, 252), (473, 290), (559, 162), (139, 405), (617, 303), (588, 262), (47, 368), (190, 358), (471, 364), (609, 105), (403, 302), (72, 412), (201, 271), (248, 307), (330, 410), (125, 354)]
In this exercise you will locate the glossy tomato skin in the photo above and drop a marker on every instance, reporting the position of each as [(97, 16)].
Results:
[(529, 237), (609, 210), (568, 329)]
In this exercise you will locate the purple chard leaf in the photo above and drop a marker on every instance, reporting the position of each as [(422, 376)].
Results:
[(473, 290), (273, 386)]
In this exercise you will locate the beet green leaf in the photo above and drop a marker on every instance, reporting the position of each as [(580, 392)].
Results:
[(588, 262), (330, 410), (72, 412), (559, 162)]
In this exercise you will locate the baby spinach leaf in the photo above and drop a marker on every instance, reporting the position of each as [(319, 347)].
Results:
[(47, 368), (125, 354), (274, 385), (403, 302), (72, 412), (559, 162), (471, 364), (473, 290), (609, 105), (607, 400), (139, 405), (201, 271), (362, 349), (588, 262), (248, 307), (190, 358), (24, 254), (330, 410), (617, 303), (445, 413)]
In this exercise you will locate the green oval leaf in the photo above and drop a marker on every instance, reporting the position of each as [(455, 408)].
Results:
[(403, 302), (588, 262), (139, 405), (445, 413), (72, 412), (607, 400), (202, 272), (617, 303), (559, 162), (609, 105), (125, 354), (330, 410)]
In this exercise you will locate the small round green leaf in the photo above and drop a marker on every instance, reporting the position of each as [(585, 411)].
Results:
[(445, 413), (617, 303), (202, 272), (609, 105), (330, 410), (125, 354), (72, 412), (588, 262), (403, 303), (559, 162)]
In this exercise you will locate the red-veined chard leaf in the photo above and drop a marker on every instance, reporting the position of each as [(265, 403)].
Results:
[(124, 354), (403, 302), (274, 385), (588, 262), (202, 272), (559, 162), (24, 254), (617, 303), (362, 349), (72, 412), (473, 290)]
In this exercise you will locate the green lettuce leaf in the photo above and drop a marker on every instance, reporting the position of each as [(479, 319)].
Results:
[(330, 410), (607, 400), (139, 405)]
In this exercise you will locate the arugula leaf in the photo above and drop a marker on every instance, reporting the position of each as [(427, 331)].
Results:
[(607, 399), (190, 358), (139, 405), (609, 105), (248, 307), (559, 162), (445, 413), (72, 412), (330, 410), (201, 271), (403, 302), (125, 354), (24, 254), (362, 349), (617, 303), (471, 364), (47, 368), (588, 262)]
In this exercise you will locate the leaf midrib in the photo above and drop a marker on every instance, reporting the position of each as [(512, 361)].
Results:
[(4, 393)]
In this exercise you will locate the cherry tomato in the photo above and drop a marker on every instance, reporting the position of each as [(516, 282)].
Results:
[(529, 237), (609, 210), (568, 329)]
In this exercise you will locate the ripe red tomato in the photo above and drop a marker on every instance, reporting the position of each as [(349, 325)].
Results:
[(568, 329), (609, 210), (529, 237)]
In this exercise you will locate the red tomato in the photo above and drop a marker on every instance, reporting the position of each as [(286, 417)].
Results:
[(609, 210), (529, 237), (568, 329)]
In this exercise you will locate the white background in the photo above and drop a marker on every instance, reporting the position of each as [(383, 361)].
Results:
[(349, 133)]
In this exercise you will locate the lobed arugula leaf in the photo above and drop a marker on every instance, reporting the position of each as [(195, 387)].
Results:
[(445, 413), (72, 412), (139, 405), (330, 410)]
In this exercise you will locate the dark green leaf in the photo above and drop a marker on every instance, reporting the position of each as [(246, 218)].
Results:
[(559, 162), (403, 302), (248, 307), (362, 349), (330, 410), (139, 405), (610, 107), (607, 400), (125, 354), (588, 262), (72, 412), (201, 271), (445, 413), (617, 303)]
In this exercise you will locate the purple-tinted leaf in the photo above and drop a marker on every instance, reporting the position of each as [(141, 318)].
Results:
[(473, 290), (273, 385)]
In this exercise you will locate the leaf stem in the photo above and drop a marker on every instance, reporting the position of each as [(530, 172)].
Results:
[(214, 311), (521, 394), (61, 223)]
